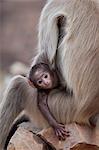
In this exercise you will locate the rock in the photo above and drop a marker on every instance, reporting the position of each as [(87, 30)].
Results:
[(81, 138), (11, 146), (23, 140), (84, 146), (78, 134)]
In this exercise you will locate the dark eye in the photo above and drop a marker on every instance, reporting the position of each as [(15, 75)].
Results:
[(46, 76), (39, 82)]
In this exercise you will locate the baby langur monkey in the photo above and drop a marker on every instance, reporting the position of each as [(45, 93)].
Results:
[(46, 79)]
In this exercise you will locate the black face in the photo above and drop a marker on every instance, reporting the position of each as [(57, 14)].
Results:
[(44, 80), (43, 77)]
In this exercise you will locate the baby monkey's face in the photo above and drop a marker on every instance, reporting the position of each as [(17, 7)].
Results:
[(44, 79)]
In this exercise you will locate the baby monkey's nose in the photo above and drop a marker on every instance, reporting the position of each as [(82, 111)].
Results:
[(46, 82)]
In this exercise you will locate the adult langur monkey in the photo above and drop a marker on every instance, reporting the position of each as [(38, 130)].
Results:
[(69, 38)]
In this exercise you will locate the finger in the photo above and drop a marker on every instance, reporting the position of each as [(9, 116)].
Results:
[(56, 133), (64, 132), (60, 135), (67, 131), (62, 138)]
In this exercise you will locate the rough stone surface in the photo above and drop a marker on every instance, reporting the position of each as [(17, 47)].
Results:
[(23, 140), (78, 134), (84, 146), (81, 138)]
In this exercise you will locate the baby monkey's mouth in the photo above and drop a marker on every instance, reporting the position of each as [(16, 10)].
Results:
[(47, 86)]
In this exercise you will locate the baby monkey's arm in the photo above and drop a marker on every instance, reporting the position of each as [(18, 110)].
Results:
[(43, 106)]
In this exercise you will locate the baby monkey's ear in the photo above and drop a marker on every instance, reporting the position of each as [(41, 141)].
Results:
[(31, 83)]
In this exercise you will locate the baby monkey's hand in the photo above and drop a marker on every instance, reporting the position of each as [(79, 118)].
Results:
[(60, 131)]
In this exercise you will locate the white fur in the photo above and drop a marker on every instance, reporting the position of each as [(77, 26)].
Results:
[(77, 59)]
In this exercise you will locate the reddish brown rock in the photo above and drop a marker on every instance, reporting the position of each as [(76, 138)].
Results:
[(84, 146), (81, 138), (23, 140), (78, 134)]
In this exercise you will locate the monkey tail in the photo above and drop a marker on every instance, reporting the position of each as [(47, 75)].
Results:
[(14, 127)]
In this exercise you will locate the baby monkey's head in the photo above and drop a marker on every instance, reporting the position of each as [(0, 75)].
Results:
[(43, 77)]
